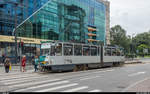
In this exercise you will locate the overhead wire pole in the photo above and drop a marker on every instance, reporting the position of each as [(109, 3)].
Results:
[(16, 26), (15, 34)]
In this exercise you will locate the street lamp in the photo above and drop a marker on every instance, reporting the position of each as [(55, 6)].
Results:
[(132, 44)]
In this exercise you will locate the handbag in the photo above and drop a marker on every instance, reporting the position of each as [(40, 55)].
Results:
[(10, 67)]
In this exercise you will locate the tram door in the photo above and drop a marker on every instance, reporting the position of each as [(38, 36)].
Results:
[(102, 55), (68, 53)]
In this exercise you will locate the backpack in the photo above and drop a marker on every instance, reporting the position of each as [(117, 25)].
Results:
[(33, 62), (7, 62)]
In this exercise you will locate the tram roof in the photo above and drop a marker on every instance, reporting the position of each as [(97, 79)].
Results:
[(83, 44)]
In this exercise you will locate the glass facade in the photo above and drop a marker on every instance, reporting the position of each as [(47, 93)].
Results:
[(23, 10), (67, 21), (79, 21)]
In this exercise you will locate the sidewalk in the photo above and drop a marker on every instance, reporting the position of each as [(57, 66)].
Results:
[(16, 68), (132, 61)]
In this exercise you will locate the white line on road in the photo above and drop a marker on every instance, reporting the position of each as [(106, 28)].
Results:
[(90, 78), (96, 91), (138, 73), (45, 85), (17, 76), (33, 83), (16, 81), (55, 88), (76, 89)]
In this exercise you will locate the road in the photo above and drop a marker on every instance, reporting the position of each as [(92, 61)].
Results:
[(116, 79)]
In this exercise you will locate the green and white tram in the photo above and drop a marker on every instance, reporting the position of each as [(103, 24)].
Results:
[(61, 56)]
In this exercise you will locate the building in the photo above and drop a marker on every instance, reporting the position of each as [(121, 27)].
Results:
[(80, 21)]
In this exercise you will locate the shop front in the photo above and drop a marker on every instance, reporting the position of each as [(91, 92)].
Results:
[(30, 47)]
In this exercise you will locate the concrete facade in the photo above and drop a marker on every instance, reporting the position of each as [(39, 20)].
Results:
[(107, 3)]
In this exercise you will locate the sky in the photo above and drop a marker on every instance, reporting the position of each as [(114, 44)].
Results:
[(132, 15)]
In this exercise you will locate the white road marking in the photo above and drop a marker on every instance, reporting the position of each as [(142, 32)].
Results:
[(16, 73), (33, 83), (17, 81), (104, 71), (45, 85), (85, 73), (96, 91), (55, 88), (90, 78), (12, 81), (17, 76), (138, 73), (76, 89)]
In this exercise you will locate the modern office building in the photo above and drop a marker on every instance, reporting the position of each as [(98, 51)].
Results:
[(13, 12), (80, 21)]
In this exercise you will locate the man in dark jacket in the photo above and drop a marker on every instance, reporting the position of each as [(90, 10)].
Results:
[(7, 64)]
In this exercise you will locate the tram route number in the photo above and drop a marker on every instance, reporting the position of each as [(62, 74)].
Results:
[(68, 61)]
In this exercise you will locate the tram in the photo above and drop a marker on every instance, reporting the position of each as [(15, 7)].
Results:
[(63, 56)]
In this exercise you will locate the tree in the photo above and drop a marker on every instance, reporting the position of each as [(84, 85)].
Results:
[(141, 41), (119, 37)]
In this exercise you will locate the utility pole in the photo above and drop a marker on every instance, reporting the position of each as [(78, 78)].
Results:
[(15, 34)]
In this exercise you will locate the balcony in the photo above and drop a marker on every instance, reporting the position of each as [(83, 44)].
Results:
[(90, 34), (91, 29), (92, 40)]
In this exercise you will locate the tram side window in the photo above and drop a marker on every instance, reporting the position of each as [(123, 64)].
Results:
[(52, 52), (68, 50), (107, 51), (93, 51), (118, 52), (86, 51), (121, 52), (114, 52), (78, 50), (59, 50)]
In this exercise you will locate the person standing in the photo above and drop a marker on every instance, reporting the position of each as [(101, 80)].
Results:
[(36, 63), (23, 63), (7, 64)]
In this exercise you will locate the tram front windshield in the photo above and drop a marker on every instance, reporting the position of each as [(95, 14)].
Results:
[(44, 52), (53, 50)]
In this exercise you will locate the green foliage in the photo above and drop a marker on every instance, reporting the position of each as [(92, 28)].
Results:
[(131, 45), (119, 37)]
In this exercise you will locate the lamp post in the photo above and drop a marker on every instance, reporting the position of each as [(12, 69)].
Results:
[(132, 45)]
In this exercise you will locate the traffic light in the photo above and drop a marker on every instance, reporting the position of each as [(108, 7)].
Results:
[(22, 45)]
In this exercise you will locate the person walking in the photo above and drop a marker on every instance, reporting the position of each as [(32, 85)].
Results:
[(7, 64), (23, 63), (3, 58), (36, 63)]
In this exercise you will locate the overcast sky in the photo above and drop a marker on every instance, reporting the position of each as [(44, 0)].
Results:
[(132, 15)]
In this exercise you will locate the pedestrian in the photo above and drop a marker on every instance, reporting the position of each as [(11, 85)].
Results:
[(7, 64), (23, 63), (33, 61), (3, 58), (36, 63)]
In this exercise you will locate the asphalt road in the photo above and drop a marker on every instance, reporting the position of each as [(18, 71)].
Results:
[(116, 79)]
